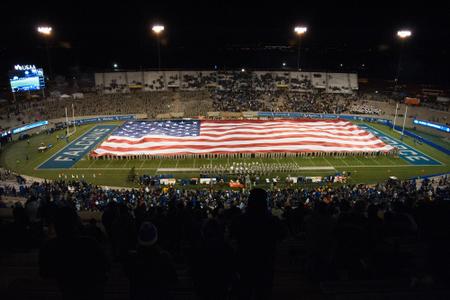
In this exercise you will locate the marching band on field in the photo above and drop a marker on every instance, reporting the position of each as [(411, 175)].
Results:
[(251, 168)]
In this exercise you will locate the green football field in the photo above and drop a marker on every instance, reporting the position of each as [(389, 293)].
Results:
[(24, 158)]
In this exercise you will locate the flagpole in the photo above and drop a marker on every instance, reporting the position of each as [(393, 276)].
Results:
[(73, 119), (67, 123), (404, 119), (395, 117)]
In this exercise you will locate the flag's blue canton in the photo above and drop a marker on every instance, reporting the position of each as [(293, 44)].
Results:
[(138, 129)]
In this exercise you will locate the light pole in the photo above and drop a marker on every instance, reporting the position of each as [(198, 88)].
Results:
[(402, 35), (299, 30), (158, 29), (46, 31)]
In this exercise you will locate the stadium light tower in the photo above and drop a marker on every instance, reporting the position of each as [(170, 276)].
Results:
[(158, 29), (46, 32), (403, 35), (299, 31)]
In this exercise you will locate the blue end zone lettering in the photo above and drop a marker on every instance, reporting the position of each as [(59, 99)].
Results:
[(73, 152), (411, 155)]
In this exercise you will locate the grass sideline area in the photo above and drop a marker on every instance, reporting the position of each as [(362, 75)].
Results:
[(115, 172)]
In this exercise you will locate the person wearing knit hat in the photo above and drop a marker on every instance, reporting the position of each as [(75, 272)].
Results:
[(149, 269), (148, 234)]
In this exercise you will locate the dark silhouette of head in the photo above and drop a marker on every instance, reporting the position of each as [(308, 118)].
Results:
[(257, 202), (211, 230), (66, 221)]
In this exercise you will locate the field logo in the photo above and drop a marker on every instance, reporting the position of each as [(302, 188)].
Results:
[(72, 153), (406, 152)]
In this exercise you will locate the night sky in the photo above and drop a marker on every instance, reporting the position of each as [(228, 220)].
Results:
[(230, 34)]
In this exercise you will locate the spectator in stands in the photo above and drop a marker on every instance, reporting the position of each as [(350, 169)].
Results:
[(78, 263), (319, 229), (257, 234), (150, 269), (212, 263), (123, 232)]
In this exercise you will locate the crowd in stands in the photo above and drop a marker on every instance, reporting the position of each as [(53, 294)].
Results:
[(228, 238), (364, 109), (191, 94)]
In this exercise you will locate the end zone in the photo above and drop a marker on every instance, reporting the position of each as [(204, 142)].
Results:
[(406, 152), (68, 156)]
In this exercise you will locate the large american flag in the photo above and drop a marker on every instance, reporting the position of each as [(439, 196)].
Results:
[(195, 137)]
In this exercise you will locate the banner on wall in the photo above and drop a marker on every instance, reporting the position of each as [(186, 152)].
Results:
[(104, 119)]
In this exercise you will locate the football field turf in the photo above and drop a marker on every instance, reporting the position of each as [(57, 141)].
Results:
[(25, 159)]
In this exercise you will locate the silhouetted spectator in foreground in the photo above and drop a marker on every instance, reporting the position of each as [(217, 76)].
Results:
[(257, 233), (93, 231), (150, 269), (78, 263), (319, 228), (212, 263)]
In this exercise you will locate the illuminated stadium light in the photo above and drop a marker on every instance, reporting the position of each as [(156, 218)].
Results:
[(158, 29), (46, 30), (242, 70), (403, 34), (300, 30), (115, 65), (284, 64)]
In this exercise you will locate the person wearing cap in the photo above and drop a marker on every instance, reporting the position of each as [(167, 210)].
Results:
[(149, 269)]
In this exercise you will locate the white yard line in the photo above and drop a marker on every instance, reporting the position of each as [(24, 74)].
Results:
[(376, 162), (343, 160), (328, 161), (93, 162), (363, 164), (127, 161), (296, 164), (159, 165), (142, 163), (106, 167)]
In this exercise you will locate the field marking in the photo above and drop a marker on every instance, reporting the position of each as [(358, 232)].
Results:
[(76, 139), (404, 143), (126, 162), (93, 162), (142, 163), (159, 165), (343, 160), (328, 161), (110, 161), (376, 162), (296, 164), (358, 160)]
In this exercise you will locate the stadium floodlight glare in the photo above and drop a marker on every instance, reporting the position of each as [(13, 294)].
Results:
[(284, 64), (242, 70), (300, 30), (158, 29), (403, 34), (115, 65), (45, 30)]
